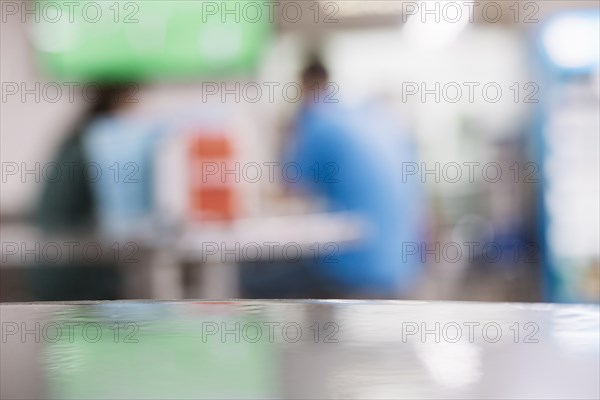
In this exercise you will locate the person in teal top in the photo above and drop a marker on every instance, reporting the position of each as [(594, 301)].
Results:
[(67, 208)]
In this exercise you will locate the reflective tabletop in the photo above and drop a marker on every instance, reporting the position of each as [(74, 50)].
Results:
[(299, 349)]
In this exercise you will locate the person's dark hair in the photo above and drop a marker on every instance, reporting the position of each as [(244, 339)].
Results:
[(314, 72), (109, 97)]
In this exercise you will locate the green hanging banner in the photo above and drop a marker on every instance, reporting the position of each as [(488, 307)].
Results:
[(148, 39)]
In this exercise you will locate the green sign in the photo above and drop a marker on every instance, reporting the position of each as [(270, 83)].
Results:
[(144, 39)]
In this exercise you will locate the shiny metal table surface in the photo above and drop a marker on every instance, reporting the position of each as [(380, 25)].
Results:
[(299, 349)]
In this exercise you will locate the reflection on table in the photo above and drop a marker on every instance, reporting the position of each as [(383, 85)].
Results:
[(299, 349)]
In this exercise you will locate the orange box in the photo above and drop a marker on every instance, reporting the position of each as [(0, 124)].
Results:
[(215, 201)]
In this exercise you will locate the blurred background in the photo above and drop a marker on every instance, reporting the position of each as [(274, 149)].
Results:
[(150, 150)]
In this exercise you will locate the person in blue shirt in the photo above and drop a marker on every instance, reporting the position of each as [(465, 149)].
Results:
[(359, 154)]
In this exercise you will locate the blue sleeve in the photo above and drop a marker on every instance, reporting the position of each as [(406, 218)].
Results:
[(305, 153)]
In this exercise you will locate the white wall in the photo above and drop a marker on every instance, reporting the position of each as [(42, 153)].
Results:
[(30, 130)]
